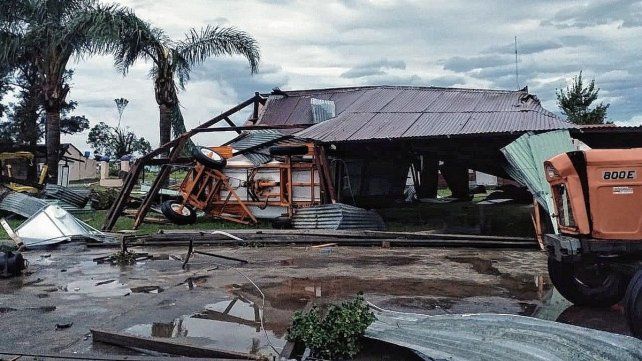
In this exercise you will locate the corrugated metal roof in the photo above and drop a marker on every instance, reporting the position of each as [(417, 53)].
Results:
[(255, 138), (499, 337), (375, 112)]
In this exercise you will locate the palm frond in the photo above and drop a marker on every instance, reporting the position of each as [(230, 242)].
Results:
[(215, 41)]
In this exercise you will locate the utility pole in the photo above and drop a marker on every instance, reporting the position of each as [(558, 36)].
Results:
[(516, 68)]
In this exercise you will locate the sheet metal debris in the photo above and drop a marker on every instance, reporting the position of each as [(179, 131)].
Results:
[(526, 156), (52, 225), (75, 197), (337, 216), (19, 203), (499, 337)]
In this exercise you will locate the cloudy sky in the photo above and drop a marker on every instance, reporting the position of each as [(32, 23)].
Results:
[(316, 44)]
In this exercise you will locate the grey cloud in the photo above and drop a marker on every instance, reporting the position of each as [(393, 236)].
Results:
[(235, 73), (373, 68), (447, 80), (387, 79), (529, 47), (463, 64), (627, 13)]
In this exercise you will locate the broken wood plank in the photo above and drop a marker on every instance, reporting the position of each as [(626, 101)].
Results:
[(17, 355), (165, 346)]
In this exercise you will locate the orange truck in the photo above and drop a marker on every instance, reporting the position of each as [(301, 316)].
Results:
[(596, 257)]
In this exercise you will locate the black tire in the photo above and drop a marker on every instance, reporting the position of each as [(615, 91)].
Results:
[(282, 223), (633, 304), (587, 284), (289, 150), (170, 210), (209, 158)]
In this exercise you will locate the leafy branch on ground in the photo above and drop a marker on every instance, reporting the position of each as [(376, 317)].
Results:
[(333, 331), (123, 258)]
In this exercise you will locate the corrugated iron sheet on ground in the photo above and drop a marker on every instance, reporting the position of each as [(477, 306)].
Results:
[(76, 197), (19, 203), (362, 113), (337, 216), (499, 337)]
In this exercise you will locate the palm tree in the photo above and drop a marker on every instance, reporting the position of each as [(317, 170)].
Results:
[(47, 34), (173, 61)]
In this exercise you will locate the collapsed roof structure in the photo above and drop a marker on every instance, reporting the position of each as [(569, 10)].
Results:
[(376, 133)]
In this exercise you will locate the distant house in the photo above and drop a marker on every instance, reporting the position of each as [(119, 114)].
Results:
[(80, 167), (73, 165)]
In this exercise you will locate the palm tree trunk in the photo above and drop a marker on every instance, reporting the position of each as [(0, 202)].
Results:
[(53, 144), (165, 126)]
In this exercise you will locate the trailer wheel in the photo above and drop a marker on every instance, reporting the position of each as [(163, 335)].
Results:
[(633, 304), (289, 150), (209, 158), (587, 284), (178, 213)]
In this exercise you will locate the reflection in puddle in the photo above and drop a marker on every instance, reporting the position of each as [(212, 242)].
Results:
[(107, 288), (98, 288), (231, 325)]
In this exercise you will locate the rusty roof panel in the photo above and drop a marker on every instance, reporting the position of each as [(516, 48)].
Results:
[(386, 125), (373, 103), (344, 126), (423, 100), (342, 100), (278, 110)]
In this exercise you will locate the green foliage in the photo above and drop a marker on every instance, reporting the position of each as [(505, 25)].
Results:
[(26, 119), (172, 61), (117, 142), (332, 333), (576, 100), (103, 198)]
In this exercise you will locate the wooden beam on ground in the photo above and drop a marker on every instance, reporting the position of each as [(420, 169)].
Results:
[(14, 355), (165, 346)]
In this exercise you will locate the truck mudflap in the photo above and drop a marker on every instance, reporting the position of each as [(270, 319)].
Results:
[(563, 248)]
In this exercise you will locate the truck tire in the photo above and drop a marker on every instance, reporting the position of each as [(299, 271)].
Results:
[(177, 215), (586, 284), (289, 150), (209, 158), (633, 304)]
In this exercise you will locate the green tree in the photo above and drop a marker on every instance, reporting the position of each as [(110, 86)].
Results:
[(47, 34), (576, 100), (116, 142), (173, 61)]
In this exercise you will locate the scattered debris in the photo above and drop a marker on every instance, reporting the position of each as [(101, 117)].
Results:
[(337, 216), (52, 225), (19, 203), (165, 346), (75, 197), (62, 326)]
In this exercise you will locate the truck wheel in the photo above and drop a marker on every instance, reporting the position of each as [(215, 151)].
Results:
[(633, 304), (209, 158), (178, 213), (586, 284)]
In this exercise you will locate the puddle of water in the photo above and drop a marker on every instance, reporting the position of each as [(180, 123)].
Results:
[(231, 325), (98, 288)]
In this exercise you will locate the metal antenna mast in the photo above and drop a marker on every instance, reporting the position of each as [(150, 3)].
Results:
[(516, 68)]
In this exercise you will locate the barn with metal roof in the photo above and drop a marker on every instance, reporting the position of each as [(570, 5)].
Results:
[(376, 133)]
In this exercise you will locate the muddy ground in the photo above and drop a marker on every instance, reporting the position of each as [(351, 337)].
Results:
[(64, 293)]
